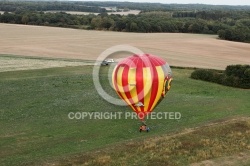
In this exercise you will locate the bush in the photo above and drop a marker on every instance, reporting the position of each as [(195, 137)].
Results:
[(234, 75), (207, 75), (202, 74), (237, 70)]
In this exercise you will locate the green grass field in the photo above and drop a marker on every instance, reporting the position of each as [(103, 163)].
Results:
[(34, 108)]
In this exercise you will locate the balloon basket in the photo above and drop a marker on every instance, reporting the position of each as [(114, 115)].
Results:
[(143, 127)]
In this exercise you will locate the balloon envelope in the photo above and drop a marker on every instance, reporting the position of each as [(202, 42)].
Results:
[(142, 81)]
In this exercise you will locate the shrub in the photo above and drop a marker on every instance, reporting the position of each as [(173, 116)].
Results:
[(202, 74), (237, 70), (234, 75)]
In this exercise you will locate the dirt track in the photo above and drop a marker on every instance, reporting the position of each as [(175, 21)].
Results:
[(178, 49)]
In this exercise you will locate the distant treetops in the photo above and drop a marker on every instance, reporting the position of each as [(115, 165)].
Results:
[(229, 22)]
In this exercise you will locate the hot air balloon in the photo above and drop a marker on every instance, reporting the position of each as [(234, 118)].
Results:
[(142, 81)]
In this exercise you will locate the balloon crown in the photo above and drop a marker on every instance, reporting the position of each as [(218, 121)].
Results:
[(142, 60)]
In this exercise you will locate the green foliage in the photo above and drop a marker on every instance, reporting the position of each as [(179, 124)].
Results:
[(235, 34), (209, 75), (230, 23), (204, 74), (234, 75), (17, 6)]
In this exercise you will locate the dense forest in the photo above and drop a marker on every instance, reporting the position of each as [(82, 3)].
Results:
[(229, 22), (17, 6)]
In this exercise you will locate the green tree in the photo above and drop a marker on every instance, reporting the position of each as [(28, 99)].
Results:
[(106, 23), (25, 19), (133, 27), (96, 22), (222, 34)]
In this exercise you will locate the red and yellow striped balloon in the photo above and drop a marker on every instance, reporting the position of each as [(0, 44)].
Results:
[(142, 81)]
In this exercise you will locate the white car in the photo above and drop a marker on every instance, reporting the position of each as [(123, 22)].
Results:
[(110, 60), (107, 61)]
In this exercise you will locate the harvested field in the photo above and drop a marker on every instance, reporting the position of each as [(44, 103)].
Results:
[(122, 12), (189, 50), (135, 12)]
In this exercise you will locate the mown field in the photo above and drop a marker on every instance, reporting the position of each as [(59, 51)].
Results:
[(36, 130), (12, 62)]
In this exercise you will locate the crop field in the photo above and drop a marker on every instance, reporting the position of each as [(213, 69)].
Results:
[(189, 50), (46, 73), (135, 12)]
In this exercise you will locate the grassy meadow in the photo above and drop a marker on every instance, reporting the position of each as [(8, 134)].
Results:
[(36, 130), (206, 145)]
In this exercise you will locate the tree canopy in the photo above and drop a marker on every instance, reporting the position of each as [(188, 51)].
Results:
[(229, 22)]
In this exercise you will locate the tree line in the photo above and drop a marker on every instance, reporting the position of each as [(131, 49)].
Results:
[(17, 6), (230, 24), (166, 7)]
